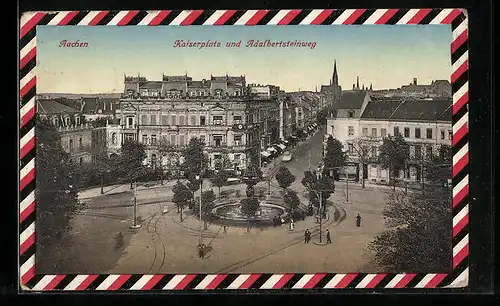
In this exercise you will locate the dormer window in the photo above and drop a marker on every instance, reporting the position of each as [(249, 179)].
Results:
[(351, 113)]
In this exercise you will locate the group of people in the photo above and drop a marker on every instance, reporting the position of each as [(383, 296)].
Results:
[(307, 236), (277, 221)]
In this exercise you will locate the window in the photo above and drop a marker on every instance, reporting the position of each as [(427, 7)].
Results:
[(396, 130), (365, 131), (417, 132), (81, 160), (428, 151), (333, 131), (153, 119), (350, 131), (202, 120), (350, 148), (144, 119), (237, 140), (237, 119), (153, 160), (145, 139), (374, 151), (153, 140), (56, 121), (130, 121), (218, 140), (113, 138), (182, 139), (407, 132), (429, 133), (68, 121), (164, 120), (383, 132), (80, 142), (351, 114), (450, 134), (173, 120), (71, 145), (442, 134), (193, 120), (374, 132), (172, 139), (78, 120), (418, 152), (237, 158), (181, 120), (217, 120), (202, 138)]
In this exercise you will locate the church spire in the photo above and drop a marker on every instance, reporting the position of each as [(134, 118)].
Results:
[(357, 82), (371, 88), (335, 77)]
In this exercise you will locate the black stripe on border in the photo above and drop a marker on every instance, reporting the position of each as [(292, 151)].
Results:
[(131, 281), (227, 281), (300, 16), (260, 281), (27, 222), (28, 126), (203, 17), (457, 21), (28, 96), (333, 16), (448, 279), (32, 33), (460, 235), (78, 17), (27, 254), (322, 283), (460, 205), (430, 16), (293, 280), (397, 17), (137, 18), (267, 17), (170, 17), (27, 190), (108, 17), (386, 280), (364, 16), (195, 281), (65, 281), (352, 284), (460, 81), (99, 279), (460, 51), (237, 15), (34, 280), (462, 142), (27, 158), (414, 281), (27, 68), (461, 174), (163, 282), (456, 118)]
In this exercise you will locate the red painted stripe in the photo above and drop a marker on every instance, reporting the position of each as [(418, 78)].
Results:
[(459, 134), (224, 17), (257, 17), (191, 17), (283, 280), (346, 280), (126, 19), (405, 280), (419, 16), (27, 211), (27, 87), (460, 225), (27, 117), (460, 102), (31, 23), (152, 282), (451, 16), (30, 176), (461, 195), (460, 40), (354, 16), (86, 282), (28, 275), (314, 280), (27, 147), (26, 244), (67, 18), (387, 15), (249, 281), (28, 57), (289, 17), (374, 282), (97, 18), (185, 281), (216, 281), (119, 282), (457, 259), (322, 17), (435, 281), (54, 282), (461, 163), (460, 70), (159, 18)]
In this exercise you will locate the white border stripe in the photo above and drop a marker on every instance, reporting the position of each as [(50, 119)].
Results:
[(271, 281), (30, 230), (58, 18), (277, 18), (88, 18), (27, 201), (27, 78), (395, 280), (335, 280), (461, 281), (26, 138), (425, 280), (409, 15), (27, 265), (174, 281), (460, 29), (464, 242), (311, 16), (205, 282), (460, 215), (183, 15), (459, 94), (460, 123), (366, 280), (247, 16), (460, 61), (76, 282), (461, 153), (442, 15), (238, 281), (118, 18), (343, 17), (108, 282), (28, 107), (149, 17), (43, 282), (303, 281), (214, 17), (375, 16), (29, 166), (25, 18), (29, 46), (141, 282), (460, 185)]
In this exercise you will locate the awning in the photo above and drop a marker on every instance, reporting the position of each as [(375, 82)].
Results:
[(285, 141), (265, 153), (282, 146), (293, 136), (271, 149)]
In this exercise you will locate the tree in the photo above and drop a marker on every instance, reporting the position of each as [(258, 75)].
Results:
[(182, 196), (439, 167), (250, 206), (131, 161), (362, 149), (253, 175), (193, 184), (207, 204), (220, 179), (292, 201), (195, 160), (55, 191), (334, 157), (419, 235), (394, 153), (325, 186), (166, 150), (223, 162)]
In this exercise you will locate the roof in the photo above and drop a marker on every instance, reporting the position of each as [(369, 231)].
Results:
[(53, 107), (176, 78), (199, 83), (407, 110), (151, 85), (351, 100)]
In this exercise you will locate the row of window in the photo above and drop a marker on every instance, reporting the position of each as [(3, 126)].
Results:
[(67, 121), (415, 150), (70, 145), (406, 132), (182, 120), (217, 139), (177, 94)]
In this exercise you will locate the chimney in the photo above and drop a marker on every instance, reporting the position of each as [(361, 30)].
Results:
[(414, 81)]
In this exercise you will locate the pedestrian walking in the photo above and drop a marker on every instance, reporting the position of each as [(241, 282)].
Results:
[(225, 229), (328, 238), (358, 220), (306, 236)]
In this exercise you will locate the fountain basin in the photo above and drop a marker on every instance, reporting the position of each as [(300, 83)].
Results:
[(230, 214)]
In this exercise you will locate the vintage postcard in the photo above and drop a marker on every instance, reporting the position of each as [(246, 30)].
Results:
[(231, 150)]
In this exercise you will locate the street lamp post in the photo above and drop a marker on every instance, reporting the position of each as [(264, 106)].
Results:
[(135, 225), (318, 175), (198, 177)]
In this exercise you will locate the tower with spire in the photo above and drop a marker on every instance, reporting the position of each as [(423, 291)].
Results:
[(335, 77), (357, 83)]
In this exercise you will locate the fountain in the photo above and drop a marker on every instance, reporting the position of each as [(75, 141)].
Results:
[(229, 212)]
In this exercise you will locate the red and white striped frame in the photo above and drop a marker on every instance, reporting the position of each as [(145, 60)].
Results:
[(457, 18)]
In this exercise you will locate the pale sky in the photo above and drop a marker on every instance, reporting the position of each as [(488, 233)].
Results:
[(386, 55)]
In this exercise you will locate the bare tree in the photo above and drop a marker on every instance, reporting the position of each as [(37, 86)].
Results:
[(362, 148)]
